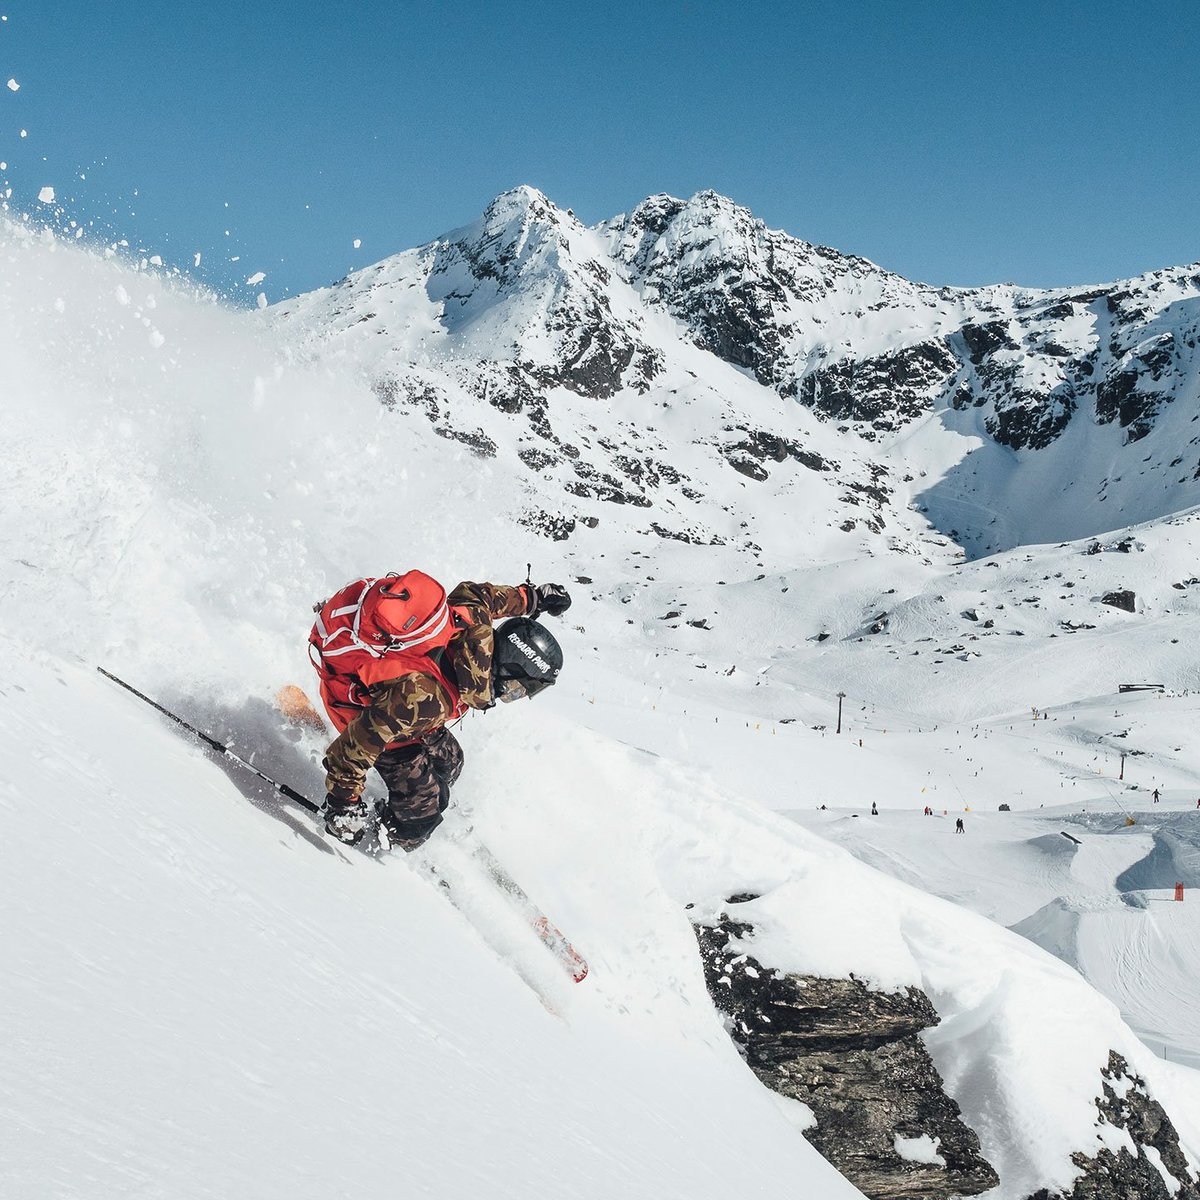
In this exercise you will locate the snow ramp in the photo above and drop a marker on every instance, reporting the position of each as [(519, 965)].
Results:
[(1174, 858)]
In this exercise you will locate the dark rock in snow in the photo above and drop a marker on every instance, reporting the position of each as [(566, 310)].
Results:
[(536, 459), (478, 441), (1024, 419), (887, 392), (554, 526), (982, 341), (854, 1056), (1124, 600), (1122, 397), (1126, 1104)]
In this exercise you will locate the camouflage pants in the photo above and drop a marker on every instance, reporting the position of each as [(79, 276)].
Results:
[(418, 779)]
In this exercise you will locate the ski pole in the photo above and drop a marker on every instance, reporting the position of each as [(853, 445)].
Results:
[(281, 788)]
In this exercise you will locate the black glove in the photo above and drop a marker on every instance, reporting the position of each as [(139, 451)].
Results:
[(550, 598), (345, 819)]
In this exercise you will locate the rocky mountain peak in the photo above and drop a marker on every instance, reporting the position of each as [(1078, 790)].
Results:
[(664, 236), (520, 231), (754, 296)]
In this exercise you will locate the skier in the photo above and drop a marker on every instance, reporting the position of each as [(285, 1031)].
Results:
[(1155, 795), (874, 809), (959, 827), (398, 661)]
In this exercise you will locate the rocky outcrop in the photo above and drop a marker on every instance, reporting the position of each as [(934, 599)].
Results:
[(756, 447), (855, 1058), (1022, 419), (748, 293), (1150, 1167), (1124, 600), (1135, 390), (523, 243), (807, 321), (885, 393)]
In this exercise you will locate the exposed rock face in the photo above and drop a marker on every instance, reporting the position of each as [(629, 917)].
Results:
[(809, 322), (754, 296), (855, 1058), (525, 242), (756, 447), (886, 392), (1125, 1105)]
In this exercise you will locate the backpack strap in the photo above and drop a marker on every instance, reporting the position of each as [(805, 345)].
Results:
[(320, 645)]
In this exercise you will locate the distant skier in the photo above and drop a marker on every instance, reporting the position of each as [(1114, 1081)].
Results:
[(959, 827), (874, 809), (1154, 794), (399, 660)]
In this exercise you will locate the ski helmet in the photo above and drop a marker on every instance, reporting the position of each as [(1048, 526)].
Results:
[(527, 659)]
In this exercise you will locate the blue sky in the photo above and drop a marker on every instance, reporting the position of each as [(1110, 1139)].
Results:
[(963, 143)]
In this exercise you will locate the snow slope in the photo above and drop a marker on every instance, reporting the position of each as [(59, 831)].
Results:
[(205, 999), (1076, 879), (210, 1000)]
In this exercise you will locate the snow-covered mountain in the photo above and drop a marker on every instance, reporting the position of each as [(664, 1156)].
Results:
[(1049, 414), (210, 1002), (518, 336), (748, 502), (1080, 374), (859, 344)]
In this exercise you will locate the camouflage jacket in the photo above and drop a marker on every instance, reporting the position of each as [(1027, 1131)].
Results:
[(414, 705)]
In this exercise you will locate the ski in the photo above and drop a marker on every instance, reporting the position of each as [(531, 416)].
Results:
[(548, 933), (454, 888), (551, 936), (297, 709)]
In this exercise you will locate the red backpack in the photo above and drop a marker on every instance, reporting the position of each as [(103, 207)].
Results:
[(379, 629)]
